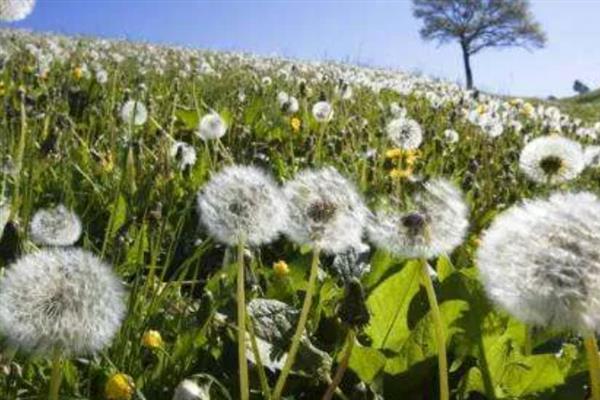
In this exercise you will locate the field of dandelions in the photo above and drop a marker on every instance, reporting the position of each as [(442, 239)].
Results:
[(180, 224)]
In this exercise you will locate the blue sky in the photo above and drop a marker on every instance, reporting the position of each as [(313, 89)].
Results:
[(382, 33)]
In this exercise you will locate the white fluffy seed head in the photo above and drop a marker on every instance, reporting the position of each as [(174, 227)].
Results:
[(405, 133), (134, 112), (211, 127), (15, 10), (540, 261), (325, 211), (552, 159), (61, 298), (190, 390), (55, 227), (183, 154), (322, 111), (242, 203), (435, 225)]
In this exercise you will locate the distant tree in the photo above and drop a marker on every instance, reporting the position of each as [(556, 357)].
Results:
[(479, 24), (580, 87)]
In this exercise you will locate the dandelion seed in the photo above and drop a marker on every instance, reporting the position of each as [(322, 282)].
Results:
[(242, 203), (405, 133), (65, 299), (325, 210), (436, 224), (211, 127), (134, 112), (15, 10), (55, 227), (552, 159), (540, 261)]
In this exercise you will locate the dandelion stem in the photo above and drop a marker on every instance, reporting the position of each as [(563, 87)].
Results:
[(289, 361), (341, 370), (591, 348), (264, 383), (56, 376), (439, 331), (22, 144), (241, 321)]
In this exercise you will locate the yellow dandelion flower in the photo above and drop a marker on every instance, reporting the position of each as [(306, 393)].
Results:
[(412, 156), (119, 387), (281, 269), (296, 124), (528, 109), (394, 153), (399, 173), (78, 73), (152, 339)]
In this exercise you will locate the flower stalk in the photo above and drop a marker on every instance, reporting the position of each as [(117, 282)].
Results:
[(289, 361)]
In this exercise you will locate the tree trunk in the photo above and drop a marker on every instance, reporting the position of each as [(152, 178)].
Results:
[(467, 61)]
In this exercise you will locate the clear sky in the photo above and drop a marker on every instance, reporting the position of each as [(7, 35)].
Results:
[(382, 33)]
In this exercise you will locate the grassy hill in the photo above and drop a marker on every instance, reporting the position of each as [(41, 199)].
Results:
[(586, 106)]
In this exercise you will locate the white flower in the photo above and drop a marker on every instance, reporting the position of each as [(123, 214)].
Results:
[(405, 133), (190, 390), (435, 225), (540, 261), (242, 203), (15, 10), (183, 154), (325, 211), (61, 298), (55, 227), (212, 126), (552, 159), (451, 136), (322, 111), (134, 112)]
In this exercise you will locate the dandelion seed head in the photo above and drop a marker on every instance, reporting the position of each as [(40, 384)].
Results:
[(211, 127), (540, 261), (61, 298), (183, 154), (322, 111), (134, 112), (405, 133), (56, 226), (325, 210), (242, 202), (552, 159), (436, 224), (15, 10)]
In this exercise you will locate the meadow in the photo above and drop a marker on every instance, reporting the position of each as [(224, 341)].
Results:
[(201, 216)]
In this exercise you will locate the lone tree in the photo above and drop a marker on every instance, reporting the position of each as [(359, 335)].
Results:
[(478, 24)]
